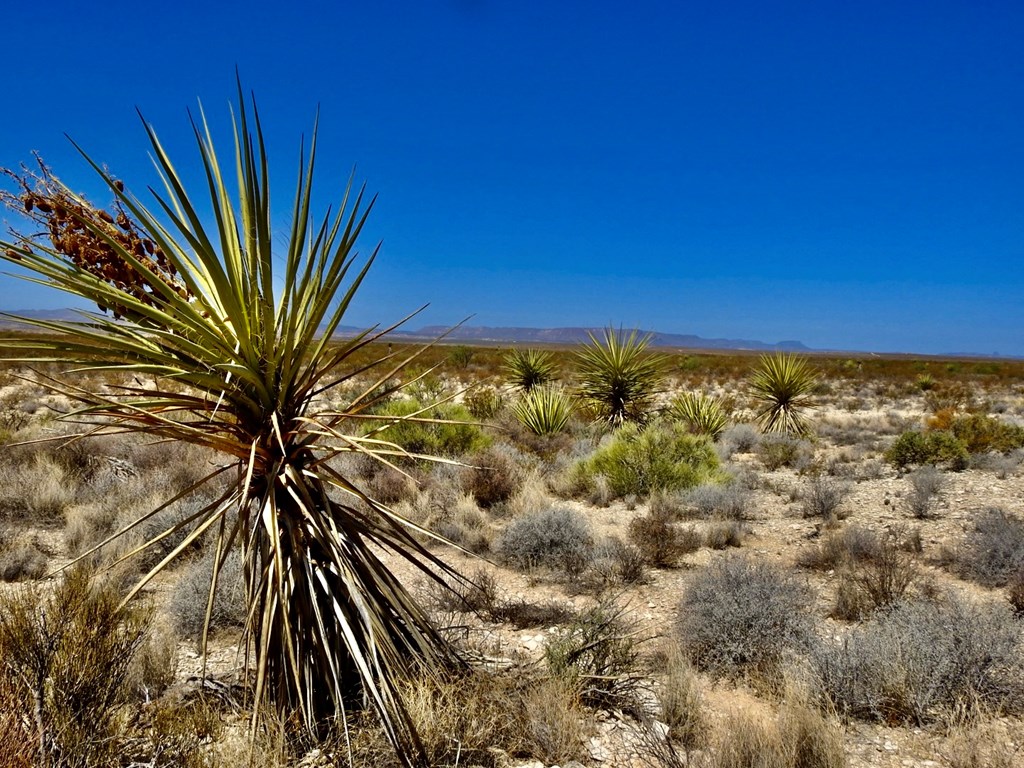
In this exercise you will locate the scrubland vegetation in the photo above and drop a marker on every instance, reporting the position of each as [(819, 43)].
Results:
[(231, 537), (678, 585)]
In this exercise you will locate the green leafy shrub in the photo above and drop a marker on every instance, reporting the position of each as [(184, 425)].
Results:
[(925, 659), (984, 434), (740, 616), (544, 410), (934, 447), (618, 378), (663, 456), (483, 402), (701, 413), (784, 386), (555, 538), (441, 430), (529, 368)]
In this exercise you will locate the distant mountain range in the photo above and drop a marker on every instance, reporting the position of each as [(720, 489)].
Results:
[(578, 335), (504, 335)]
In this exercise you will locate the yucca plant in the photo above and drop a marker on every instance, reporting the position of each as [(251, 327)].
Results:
[(236, 338), (783, 385), (700, 412), (544, 410), (529, 368), (618, 378)]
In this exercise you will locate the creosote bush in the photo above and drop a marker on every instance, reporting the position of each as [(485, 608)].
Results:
[(662, 456), (740, 616), (422, 430), (914, 448)]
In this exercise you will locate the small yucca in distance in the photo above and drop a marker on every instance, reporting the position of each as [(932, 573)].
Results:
[(617, 377), (529, 368), (235, 330), (783, 385), (700, 412), (544, 410)]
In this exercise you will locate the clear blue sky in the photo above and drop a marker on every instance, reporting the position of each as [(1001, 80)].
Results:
[(847, 174)]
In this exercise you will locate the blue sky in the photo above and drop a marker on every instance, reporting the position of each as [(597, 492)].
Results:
[(847, 174)]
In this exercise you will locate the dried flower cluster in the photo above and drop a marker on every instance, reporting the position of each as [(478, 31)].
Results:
[(94, 240)]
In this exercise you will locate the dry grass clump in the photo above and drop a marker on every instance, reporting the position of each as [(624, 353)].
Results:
[(495, 476), (682, 706), (926, 484), (980, 743), (882, 575), (848, 545), (730, 501), (781, 450), (744, 617), (723, 534), (21, 557), (798, 737)]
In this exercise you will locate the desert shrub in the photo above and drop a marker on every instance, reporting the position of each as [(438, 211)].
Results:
[(850, 545), (721, 534), (155, 663), (779, 450), (993, 552), (617, 563), (661, 457), (702, 414), (924, 659), (68, 651), (936, 447), (784, 386), (823, 496), (450, 435), (662, 543), (180, 732), (985, 434), (1015, 593), (618, 378), (723, 500), (597, 654), (544, 410), (748, 739), (21, 557), (460, 356), (739, 438), (529, 368), (483, 402), (739, 616), (875, 581), (555, 538), (926, 484), (189, 600), (495, 477)]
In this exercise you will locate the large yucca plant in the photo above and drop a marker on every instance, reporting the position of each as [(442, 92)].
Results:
[(783, 385), (544, 410), (617, 377), (233, 323)]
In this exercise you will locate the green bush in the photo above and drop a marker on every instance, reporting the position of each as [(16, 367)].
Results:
[(934, 447), (985, 434), (442, 430), (664, 456), (483, 402)]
